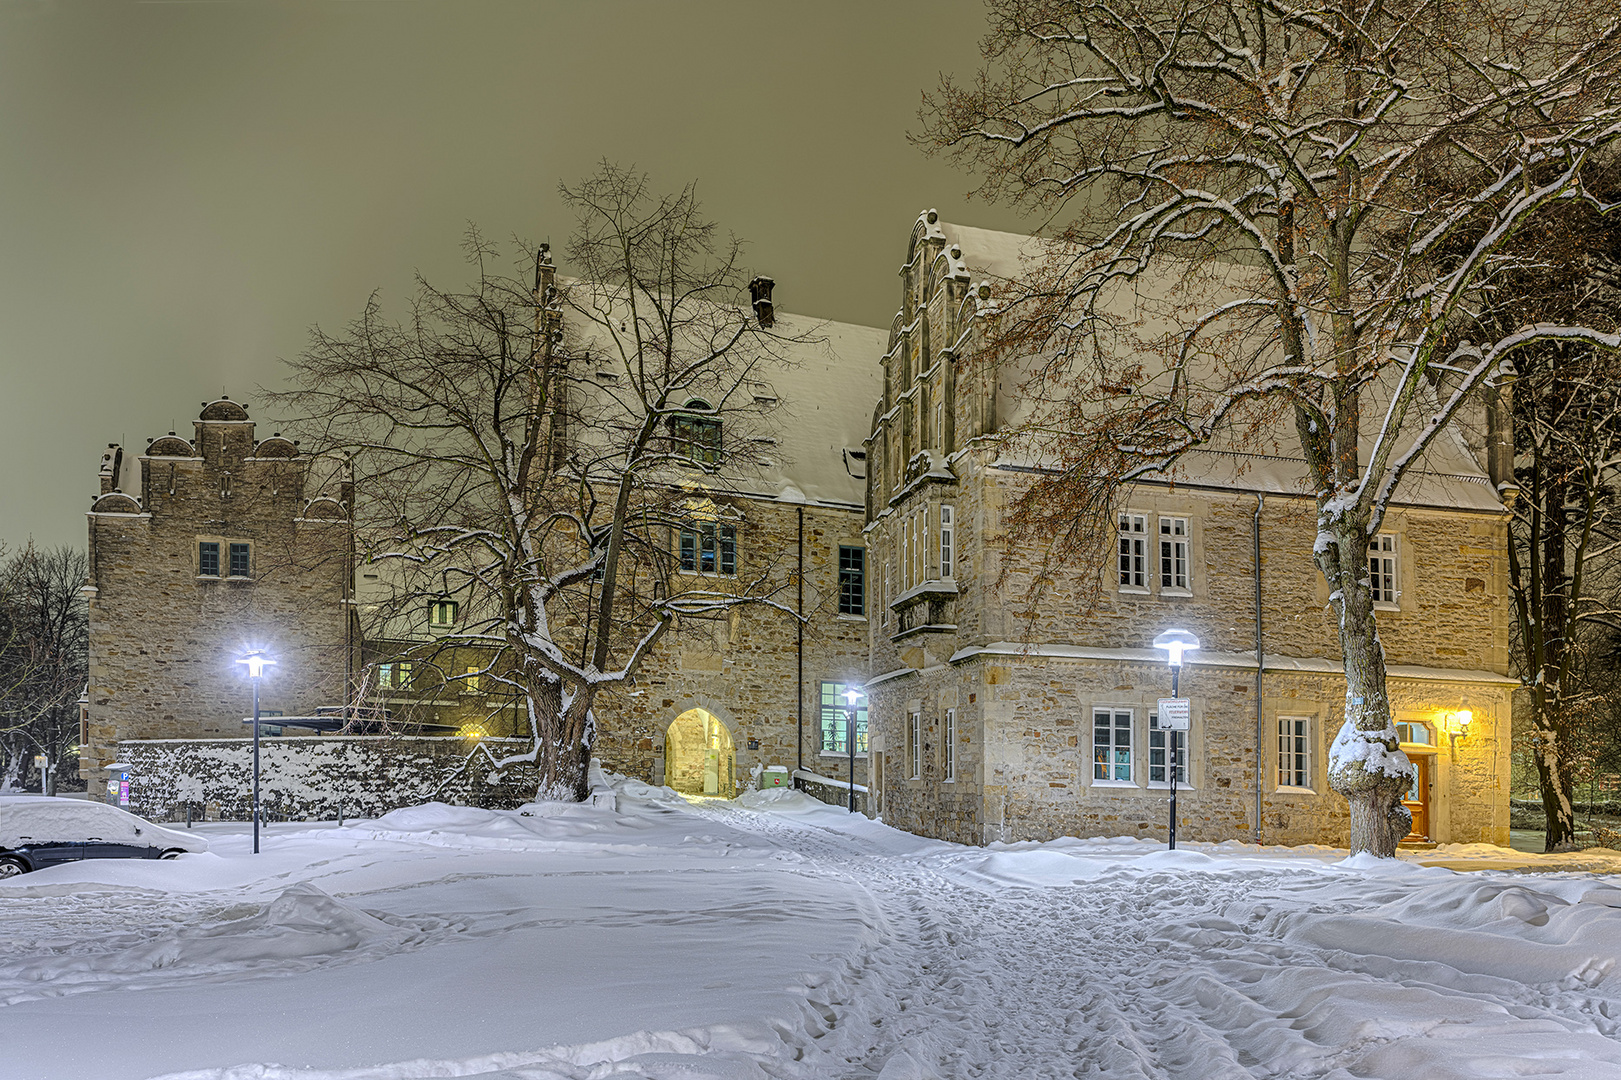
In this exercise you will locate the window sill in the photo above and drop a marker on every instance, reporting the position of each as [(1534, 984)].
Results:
[(1163, 785), (1128, 590), (1177, 594), (218, 577), (1120, 784), (841, 755), (1383, 605), (1294, 791), (841, 617)]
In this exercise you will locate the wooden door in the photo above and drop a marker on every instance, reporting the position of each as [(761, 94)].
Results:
[(1417, 799)]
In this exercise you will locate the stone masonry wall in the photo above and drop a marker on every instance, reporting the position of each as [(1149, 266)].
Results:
[(313, 778), (742, 667), (1024, 723), (164, 639)]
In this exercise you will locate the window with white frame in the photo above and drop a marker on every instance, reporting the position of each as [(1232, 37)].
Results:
[(443, 613), (914, 745), (948, 745), (1173, 554), (1111, 745), (1159, 745), (1384, 569), (836, 719), (1294, 752), (948, 542), (1133, 551)]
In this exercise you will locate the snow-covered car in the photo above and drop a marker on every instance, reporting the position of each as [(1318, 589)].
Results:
[(37, 832)]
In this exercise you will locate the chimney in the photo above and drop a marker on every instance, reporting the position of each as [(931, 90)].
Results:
[(760, 294)]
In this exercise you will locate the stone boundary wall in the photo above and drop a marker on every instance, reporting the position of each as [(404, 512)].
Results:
[(311, 777)]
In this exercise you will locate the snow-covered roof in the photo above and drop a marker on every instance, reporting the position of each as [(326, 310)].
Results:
[(789, 430), (1448, 474)]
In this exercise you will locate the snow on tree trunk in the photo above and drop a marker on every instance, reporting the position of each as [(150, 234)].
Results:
[(1555, 777), (1365, 764)]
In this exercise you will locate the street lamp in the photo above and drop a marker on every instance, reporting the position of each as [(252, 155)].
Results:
[(852, 695), (1173, 712), (256, 662)]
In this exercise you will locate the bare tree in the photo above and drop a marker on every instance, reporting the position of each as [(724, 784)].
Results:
[(521, 449), (43, 660), (1564, 570), (1278, 164)]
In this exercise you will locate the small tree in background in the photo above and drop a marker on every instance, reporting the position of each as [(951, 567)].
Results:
[(43, 661), (1308, 203), (522, 448)]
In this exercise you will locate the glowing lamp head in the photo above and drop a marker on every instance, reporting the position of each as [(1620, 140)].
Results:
[(852, 695), (1175, 643), (256, 664), (1458, 722)]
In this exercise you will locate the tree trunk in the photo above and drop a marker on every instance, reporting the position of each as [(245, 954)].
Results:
[(1365, 765), (1550, 746)]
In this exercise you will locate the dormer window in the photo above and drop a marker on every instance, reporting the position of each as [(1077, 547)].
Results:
[(697, 436)]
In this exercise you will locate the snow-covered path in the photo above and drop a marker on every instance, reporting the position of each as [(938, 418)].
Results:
[(779, 938), (1186, 966)]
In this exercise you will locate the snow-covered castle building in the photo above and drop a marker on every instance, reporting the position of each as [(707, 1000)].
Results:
[(995, 723), (876, 507)]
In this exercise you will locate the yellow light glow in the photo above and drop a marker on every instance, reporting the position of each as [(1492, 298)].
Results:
[(1457, 722), (472, 731)]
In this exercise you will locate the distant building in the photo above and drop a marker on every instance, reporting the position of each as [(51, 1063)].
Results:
[(992, 722), (202, 550)]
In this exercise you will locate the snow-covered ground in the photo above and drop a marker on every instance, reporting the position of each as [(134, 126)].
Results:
[(776, 937)]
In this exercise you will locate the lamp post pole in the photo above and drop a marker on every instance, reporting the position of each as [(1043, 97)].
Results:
[(850, 698), (1176, 672), (255, 763), (1175, 643), (256, 668)]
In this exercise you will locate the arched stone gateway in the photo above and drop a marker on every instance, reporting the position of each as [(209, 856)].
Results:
[(699, 755)]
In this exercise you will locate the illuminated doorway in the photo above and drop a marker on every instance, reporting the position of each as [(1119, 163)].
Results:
[(698, 756)]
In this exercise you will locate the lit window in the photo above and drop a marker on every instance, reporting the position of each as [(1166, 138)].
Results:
[(708, 547), (240, 562), (1382, 569), (1294, 752), (208, 558), (1133, 551), (1173, 553), (948, 542), (1158, 746), (385, 676), (443, 613), (948, 745), (1111, 744), (697, 437), (836, 719), (471, 678), (852, 580)]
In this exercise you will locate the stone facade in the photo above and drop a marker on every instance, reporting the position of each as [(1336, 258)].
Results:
[(753, 670), (1028, 689), (202, 550)]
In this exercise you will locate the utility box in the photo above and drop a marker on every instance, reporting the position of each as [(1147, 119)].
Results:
[(774, 776)]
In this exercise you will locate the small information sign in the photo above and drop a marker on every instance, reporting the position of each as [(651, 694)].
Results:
[(1173, 713)]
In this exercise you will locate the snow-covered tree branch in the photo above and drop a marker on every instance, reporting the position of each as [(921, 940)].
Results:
[(525, 450), (1275, 223)]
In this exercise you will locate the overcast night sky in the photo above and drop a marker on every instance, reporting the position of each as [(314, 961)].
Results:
[(185, 188)]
